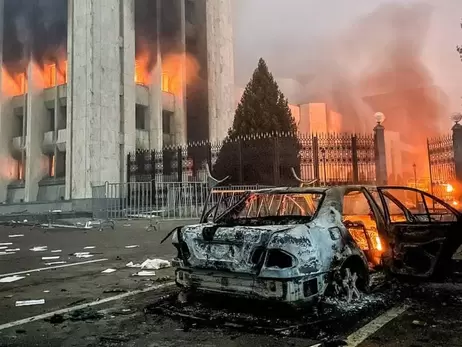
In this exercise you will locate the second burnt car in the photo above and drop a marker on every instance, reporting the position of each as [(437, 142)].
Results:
[(297, 244)]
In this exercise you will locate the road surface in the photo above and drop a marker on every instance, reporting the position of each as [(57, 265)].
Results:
[(83, 306)]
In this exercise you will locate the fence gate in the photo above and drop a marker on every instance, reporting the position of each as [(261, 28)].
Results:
[(441, 163)]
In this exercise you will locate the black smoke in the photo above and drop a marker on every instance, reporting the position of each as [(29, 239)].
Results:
[(148, 24), (33, 28)]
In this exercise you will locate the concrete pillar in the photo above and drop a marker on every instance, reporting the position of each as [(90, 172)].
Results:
[(220, 62), (36, 163), (4, 153), (180, 120), (457, 145), (69, 103), (128, 95), (155, 100), (95, 91), (380, 155)]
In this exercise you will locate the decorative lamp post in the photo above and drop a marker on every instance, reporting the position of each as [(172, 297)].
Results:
[(456, 117), (379, 117)]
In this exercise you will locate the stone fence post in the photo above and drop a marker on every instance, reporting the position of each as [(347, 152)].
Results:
[(380, 151), (457, 146)]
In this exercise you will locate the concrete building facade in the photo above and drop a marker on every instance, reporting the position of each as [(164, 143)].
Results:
[(70, 124)]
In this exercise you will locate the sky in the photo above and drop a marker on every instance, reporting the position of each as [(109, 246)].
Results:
[(294, 35)]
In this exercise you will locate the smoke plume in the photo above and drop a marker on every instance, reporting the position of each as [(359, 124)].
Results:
[(33, 28)]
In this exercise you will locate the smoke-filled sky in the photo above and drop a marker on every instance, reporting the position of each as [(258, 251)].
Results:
[(349, 39)]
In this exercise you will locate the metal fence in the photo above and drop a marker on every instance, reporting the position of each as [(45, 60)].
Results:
[(441, 163), (264, 159), (153, 200)]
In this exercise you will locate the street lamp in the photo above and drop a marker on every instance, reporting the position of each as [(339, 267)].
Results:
[(379, 117), (456, 117)]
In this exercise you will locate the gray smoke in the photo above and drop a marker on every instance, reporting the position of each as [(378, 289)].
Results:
[(36, 28)]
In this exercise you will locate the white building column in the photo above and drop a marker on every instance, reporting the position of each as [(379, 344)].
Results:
[(155, 90), (128, 95), (220, 61), (96, 90), (36, 163), (5, 127), (180, 116)]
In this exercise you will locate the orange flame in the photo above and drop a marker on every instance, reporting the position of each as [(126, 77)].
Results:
[(142, 72), (171, 68), (171, 71), (13, 85)]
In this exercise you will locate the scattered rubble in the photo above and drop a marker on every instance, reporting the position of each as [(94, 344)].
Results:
[(30, 302), (83, 255), (151, 264), (11, 279), (39, 249)]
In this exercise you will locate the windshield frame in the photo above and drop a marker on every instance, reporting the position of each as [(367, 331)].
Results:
[(247, 194)]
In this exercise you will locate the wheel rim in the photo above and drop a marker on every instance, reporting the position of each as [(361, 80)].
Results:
[(349, 285)]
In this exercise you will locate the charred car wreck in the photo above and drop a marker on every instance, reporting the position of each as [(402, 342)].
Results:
[(297, 245)]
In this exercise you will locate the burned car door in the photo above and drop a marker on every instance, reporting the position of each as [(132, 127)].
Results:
[(422, 229)]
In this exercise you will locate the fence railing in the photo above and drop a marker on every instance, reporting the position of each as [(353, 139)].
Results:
[(155, 200), (265, 159)]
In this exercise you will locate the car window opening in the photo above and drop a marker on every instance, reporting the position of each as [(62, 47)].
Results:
[(360, 221), (268, 208)]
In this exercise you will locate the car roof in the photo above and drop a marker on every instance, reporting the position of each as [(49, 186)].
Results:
[(310, 190)]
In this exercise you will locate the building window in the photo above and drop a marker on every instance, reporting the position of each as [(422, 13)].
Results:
[(51, 165), (189, 11), (60, 165), (18, 123), (166, 83), (51, 118), (62, 120), (140, 117), (21, 170), (166, 122)]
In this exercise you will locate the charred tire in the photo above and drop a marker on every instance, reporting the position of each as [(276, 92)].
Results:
[(351, 281), (356, 266)]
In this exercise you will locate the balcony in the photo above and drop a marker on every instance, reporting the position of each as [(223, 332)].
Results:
[(48, 145), (143, 96), (61, 140), (50, 141), (18, 146), (142, 139)]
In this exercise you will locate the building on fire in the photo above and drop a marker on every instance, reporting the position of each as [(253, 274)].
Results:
[(125, 75)]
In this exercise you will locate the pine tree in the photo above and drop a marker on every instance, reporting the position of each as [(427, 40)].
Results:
[(261, 146)]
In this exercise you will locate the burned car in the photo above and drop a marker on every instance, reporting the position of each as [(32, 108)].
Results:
[(298, 244)]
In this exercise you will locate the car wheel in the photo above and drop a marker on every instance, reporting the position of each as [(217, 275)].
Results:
[(350, 282)]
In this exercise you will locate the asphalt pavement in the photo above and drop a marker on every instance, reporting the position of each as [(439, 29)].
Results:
[(80, 305)]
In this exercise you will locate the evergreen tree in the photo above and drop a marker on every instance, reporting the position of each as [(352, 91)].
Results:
[(262, 145)]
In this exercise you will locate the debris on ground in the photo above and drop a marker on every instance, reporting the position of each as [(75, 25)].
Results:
[(77, 315), (83, 255), (145, 273), (55, 263), (85, 314), (11, 279), (39, 249), (108, 271), (114, 291), (30, 302), (114, 339), (151, 264)]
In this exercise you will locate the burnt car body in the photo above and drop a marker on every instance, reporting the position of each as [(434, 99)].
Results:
[(298, 244)]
